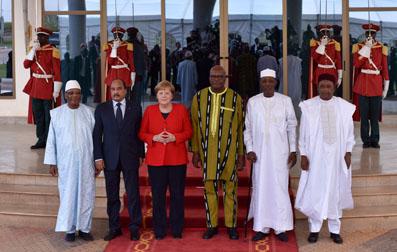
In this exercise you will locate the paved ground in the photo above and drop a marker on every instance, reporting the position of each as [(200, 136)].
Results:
[(19, 239), (359, 241)]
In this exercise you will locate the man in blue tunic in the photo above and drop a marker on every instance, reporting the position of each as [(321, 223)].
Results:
[(69, 152), (187, 79)]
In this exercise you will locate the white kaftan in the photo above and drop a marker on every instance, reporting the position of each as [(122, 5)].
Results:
[(70, 148), (326, 134), (270, 132)]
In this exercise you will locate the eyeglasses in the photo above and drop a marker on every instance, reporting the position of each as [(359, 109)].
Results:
[(217, 76)]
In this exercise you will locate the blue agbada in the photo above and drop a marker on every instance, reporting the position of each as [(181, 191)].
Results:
[(187, 79), (70, 148)]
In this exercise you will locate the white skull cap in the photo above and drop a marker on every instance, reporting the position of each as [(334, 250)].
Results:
[(268, 73), (72, 84)]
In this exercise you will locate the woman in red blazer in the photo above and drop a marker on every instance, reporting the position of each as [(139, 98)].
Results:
[(166, 128)]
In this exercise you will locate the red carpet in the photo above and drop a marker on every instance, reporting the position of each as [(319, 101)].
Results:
[(195, 223)]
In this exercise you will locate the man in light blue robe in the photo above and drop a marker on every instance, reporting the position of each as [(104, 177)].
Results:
[(187, 79), (294, 80), (69, 152)]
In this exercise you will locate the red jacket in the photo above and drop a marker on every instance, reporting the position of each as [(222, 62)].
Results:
[(332, 49), (48, 59), (370, 84), (177, 123)]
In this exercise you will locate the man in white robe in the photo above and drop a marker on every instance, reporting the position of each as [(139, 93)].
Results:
[(326, 141), (69, 152), (270, 140)]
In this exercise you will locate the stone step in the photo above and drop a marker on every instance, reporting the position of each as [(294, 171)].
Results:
[(363, 212), (42, 195), (371, 180), (40, 179), (24, 215), (41, 210), (373, 195), (367, 218), (44, 179)]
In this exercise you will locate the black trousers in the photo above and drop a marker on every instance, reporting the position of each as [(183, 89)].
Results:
[(112, 179), (160, 178), (370, 110), (41, 113)]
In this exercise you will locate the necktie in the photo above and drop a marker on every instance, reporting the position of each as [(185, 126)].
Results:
[(119, 115)]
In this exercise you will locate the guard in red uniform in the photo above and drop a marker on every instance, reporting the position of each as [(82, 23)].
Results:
[(119, 61), (371, 83), (325, 58), (44, 84)]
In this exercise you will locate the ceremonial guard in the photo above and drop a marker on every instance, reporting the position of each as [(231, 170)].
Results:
[(371, 83), (325, 58), (44, 84), (119, 62)]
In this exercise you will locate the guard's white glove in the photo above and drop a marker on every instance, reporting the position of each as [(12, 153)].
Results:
[(324, 40), (365, 51), (116, 44), (340, 74), (57, 89), (321, 48), (385, 88), (133, 75), (369, 42), (36, 45), (32, 52)]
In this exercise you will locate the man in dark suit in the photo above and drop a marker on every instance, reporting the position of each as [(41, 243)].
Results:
[(117, 148), (82, 72)]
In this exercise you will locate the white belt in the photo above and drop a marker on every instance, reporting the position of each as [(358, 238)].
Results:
[(42, 76), (370, 71), (119, 66), (325, 66)]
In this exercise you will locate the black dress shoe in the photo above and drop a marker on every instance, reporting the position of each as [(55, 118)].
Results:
[(86, 236), (134, 236), (336, 238), (209, 233), (70, 237), (159, 237), (177, 236), (259, 236), (282, 237), (366, 145), (375, 145), (233, 234), (111, 235), (37, 146), (313, 237)]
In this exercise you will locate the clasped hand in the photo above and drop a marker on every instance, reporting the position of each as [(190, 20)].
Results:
[(164, 137)]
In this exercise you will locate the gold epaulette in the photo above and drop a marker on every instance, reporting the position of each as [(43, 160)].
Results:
[(55, 53), (130, 47), (355, 48), (385, 50), (337, 46), (105, 46), (313, 42)]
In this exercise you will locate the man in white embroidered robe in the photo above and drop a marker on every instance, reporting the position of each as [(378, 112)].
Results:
[(326, 141), (69, 152), (270, 140)]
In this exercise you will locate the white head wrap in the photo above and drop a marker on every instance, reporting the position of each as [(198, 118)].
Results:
[(268, 73), (72, 84)]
